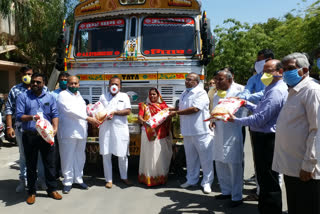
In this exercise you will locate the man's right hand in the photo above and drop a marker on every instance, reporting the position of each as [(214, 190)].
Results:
[(11, 133), (93, 121)]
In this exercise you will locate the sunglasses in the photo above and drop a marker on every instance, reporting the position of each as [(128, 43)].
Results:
[(34, 81)]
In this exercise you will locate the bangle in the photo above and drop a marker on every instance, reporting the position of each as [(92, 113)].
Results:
[(9, 127)]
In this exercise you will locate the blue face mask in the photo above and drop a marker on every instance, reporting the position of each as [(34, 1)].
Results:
[(292, 77), (318, 63), (63, 84), (188, 89)]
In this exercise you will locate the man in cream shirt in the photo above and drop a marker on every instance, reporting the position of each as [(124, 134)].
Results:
[(72, 134), (114, 132), (297, 125), (193, 110)]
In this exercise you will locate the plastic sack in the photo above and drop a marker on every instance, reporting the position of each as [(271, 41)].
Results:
[(225, 106), (158, 118), (98, 111), (45, 129)]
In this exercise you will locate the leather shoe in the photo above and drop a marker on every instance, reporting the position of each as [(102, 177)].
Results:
[(109, 185), (55, 195), (127, 182), (31, 199), (233, 204), (222, 197)]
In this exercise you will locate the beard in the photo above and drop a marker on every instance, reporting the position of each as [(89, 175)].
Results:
[(36, 89)]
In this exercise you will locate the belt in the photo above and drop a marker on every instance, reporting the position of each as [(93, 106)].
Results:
[(33, 133)]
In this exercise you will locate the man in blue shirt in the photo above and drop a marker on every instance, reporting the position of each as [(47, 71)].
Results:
[(262, 124), (14, 130), (253, 91), (29, 104)]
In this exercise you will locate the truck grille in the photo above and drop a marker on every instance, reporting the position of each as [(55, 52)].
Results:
[(96, 91), (84, 90)]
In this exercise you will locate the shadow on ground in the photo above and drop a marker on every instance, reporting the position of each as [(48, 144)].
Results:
[(193, 203)]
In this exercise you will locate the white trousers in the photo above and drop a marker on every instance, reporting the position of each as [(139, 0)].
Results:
[(107, 167), (73, 158), (198, 151), (230, 176)]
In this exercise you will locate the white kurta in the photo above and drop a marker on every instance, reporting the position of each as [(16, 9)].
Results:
[(228, 139), (72, 136), (114, 134), (72, 115)]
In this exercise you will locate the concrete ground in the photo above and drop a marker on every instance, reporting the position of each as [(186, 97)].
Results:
[(120, 199)]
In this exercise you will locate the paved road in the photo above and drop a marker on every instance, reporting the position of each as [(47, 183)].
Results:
[(136, 200)]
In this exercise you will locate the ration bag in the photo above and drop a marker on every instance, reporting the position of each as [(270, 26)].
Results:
[(225, 106), (45, 129), (158, 118), (98, 111)]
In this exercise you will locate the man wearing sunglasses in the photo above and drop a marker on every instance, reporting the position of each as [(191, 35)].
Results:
[(29, 105)]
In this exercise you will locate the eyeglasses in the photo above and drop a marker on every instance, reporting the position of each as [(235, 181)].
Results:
[(34, 81), (189, 80)]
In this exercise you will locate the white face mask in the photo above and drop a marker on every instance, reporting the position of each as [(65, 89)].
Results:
[(259, 66), (114, 89)]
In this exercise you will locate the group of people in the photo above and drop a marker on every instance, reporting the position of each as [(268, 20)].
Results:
[(281, 105)]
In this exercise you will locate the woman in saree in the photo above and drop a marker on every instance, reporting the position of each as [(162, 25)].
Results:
[(156, 144)]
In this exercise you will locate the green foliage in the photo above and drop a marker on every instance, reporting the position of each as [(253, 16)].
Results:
[(237, 44), (38, 26)]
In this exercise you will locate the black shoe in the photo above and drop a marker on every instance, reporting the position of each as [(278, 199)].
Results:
[(66, 189), (233, 204), (83, 186), (222, 197)]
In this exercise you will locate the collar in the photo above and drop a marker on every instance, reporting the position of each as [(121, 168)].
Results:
[(43, 93), (301, 84), (196, 89), (269, 87)]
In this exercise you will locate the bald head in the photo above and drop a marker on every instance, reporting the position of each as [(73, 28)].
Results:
[(72, 78), (273, 67), (73, 84)]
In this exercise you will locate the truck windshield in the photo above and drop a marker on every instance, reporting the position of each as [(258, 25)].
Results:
[(168, 36), (100, 38)]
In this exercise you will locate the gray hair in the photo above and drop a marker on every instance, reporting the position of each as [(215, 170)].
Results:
[(197, 77), (227, 73), (301, 60)]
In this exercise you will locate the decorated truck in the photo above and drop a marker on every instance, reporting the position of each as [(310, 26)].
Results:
[(147, 43)]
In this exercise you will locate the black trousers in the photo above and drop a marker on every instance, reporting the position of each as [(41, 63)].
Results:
[(33, 143), (270, 200), (302, 197)]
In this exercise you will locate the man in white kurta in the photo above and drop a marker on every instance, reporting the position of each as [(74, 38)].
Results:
[(72, 134), (228, 144), (114, 132), (193, 110)]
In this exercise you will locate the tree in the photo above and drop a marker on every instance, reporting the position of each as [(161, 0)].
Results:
[(38, 26), (238, 44)]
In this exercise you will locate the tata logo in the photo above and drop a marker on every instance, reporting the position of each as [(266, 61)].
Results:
[(130, 77), (132, 2)]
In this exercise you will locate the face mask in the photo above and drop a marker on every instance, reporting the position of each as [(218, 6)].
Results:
[(267, 79), (26, 79), (318, 63), (188, 89), (73, 90), (211, 87), (222, 93), (292, 77), (63, 84), (114, 89), (258, 66)]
